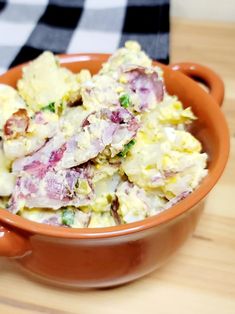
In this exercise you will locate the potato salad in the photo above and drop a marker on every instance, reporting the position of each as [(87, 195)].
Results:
[(82, 150)]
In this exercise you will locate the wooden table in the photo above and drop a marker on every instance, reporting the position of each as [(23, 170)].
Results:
[(200, 278)]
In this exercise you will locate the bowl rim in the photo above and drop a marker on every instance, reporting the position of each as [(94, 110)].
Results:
[(15, 221)]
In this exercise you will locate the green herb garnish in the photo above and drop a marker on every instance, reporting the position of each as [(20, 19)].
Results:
[(125, 101), (50, 107), (68, 217), (126, 149)]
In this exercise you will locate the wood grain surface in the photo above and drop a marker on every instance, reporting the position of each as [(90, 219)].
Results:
[(200, 278)]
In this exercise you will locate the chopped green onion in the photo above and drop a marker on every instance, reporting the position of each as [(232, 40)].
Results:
[(68, 217), (50, 107), (124, 101), (126, 149)]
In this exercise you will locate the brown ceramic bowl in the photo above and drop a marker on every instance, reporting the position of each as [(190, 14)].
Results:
[(111, 256)]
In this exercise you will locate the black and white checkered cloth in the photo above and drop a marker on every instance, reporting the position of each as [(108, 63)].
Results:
[(28, 27)]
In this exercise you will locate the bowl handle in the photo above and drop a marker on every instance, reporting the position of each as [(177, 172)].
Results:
[(204, 75), (12, 244)]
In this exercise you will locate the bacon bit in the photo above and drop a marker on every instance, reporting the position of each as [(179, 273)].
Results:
[(75, 103), (17, 124), (114, 211)]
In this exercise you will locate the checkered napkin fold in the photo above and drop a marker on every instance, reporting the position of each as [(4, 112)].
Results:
[(28, 27)]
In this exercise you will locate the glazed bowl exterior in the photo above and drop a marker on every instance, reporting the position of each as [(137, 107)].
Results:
[(104, 257)]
